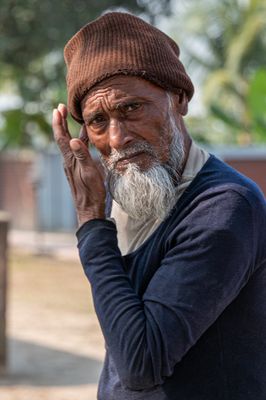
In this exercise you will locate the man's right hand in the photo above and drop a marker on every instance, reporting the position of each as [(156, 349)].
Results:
[(84, 178)]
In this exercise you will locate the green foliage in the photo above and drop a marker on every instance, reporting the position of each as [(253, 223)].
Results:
[(247, 124), (24, 129), (225, 44), (33, 34), (257, 102)]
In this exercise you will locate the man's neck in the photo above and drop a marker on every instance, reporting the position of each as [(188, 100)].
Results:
[(187, 146)]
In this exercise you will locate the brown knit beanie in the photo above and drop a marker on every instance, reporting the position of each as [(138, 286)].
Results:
[(121, 44)]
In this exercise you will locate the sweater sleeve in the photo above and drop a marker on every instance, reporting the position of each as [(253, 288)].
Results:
[(208, 260)]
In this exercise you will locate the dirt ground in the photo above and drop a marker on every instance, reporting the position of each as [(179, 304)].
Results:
[(55, 347)]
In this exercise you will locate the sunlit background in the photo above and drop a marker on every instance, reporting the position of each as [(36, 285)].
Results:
[(53, 344)]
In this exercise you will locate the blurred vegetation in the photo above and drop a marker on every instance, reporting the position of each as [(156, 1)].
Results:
[(224, 45), (33, 35)]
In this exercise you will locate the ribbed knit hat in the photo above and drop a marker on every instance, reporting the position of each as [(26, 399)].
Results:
[(121, 44)]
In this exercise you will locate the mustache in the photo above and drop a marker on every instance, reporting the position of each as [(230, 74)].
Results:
[(117, 155)]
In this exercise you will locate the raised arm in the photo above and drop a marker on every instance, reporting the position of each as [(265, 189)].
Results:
[(85, 180), (208, 259)]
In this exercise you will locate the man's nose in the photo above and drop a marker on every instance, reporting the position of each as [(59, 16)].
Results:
[(119, 135)]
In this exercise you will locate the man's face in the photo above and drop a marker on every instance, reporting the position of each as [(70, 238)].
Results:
[(132, 124), (124, 111)]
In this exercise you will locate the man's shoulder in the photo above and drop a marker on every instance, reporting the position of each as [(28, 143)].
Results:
[(218, 177), (219, 197)]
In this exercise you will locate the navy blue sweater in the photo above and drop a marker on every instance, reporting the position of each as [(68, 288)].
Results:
[(184, 316)]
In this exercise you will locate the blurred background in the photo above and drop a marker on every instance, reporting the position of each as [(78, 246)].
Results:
[(51, 344)]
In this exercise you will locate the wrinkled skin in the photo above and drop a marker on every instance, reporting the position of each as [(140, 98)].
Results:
[(117, 113), (85, 180)]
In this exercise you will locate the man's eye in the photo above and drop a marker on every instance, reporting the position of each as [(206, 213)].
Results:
[(130, 107), (97, 120)]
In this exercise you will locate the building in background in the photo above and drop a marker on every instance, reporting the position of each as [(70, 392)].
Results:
[(34, 190)]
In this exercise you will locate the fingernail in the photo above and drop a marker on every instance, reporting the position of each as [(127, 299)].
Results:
[(75, 145)]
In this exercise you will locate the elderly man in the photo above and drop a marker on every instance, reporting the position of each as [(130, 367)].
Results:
[(177, 264)]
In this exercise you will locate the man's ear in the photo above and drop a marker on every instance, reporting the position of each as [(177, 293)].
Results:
[(181, 102)]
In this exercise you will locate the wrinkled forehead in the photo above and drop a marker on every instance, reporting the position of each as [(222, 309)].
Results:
[(119, 87)]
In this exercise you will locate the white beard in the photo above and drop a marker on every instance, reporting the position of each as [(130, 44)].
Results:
[(150, 193)]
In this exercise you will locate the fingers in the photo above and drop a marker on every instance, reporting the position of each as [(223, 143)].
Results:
[(83, 135), (63, 111), (81, 152), (62, 137)]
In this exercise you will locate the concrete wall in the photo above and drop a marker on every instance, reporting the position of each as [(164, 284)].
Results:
[(16, 190), (254, 169), (54, 206), (34, 190), (249, 161)]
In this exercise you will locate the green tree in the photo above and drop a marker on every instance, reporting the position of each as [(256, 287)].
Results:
[(33, 34), (226, 42)]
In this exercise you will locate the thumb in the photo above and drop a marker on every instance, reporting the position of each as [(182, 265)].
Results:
[(80, 151)]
